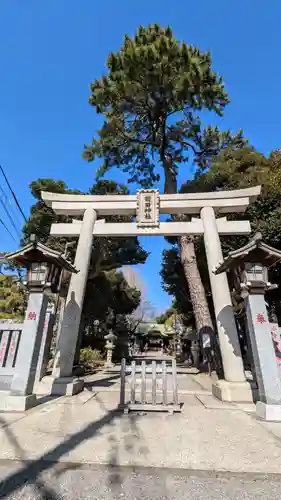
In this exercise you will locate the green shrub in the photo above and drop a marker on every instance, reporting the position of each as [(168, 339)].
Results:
[(91, 357), (15, 316)]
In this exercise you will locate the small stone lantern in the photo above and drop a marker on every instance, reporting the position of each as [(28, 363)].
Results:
[(248, 267), (110, 345), (44, 267)]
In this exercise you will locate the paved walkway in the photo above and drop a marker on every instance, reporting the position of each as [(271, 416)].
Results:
[(87, 428), (83, 447)]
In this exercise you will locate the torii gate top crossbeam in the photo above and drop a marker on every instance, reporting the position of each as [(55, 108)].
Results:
[(189, 203)]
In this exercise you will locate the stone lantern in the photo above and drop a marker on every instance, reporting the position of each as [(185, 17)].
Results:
[(110, 344), (44, 267), (43, 264), (248, 268)]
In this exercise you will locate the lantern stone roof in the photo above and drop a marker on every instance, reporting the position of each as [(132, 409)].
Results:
[(37, 252), (254, 251)]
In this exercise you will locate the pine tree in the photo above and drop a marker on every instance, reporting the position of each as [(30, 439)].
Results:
[(151, 99)]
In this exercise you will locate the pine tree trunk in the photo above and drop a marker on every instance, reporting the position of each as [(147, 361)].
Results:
[(188, 259), (197, 293)]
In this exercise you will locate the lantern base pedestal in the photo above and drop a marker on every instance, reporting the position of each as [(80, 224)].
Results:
[(13, 403), (270, 413), (61, 386), (236, 392)]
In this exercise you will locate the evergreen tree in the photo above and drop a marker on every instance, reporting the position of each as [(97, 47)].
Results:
[(109, 296), (12, 298), (151, 99), (236, 169)]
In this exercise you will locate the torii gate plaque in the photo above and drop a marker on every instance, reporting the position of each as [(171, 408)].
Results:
[(148, 203)]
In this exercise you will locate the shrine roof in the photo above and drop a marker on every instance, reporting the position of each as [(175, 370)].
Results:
[(145, 329)]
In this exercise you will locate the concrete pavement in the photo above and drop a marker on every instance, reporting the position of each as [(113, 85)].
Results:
[(86, 431), (88, 428)]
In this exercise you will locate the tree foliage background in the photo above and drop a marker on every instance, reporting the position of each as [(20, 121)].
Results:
[(12, 298), (235, 169)]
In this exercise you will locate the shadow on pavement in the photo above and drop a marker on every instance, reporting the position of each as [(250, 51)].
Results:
[(5, 489), (41, 399), (31, 470), (102, 382), (133, 442)]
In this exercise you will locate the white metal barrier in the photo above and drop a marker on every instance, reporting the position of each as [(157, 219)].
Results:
[(152, 385)]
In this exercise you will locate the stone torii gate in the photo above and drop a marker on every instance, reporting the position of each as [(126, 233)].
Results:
[(147, 206)]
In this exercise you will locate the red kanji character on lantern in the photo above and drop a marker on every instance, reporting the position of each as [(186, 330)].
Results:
[(261, 319), (32, 316)]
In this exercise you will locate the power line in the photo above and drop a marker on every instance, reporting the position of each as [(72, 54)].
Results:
[(3, 224), (13, 194), (10, 218), (12, 208)]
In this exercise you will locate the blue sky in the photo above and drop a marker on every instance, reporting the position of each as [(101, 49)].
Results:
[(52, 50)]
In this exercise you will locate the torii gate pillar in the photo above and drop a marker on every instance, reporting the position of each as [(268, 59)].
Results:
[(62, 381), (234, 387)]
